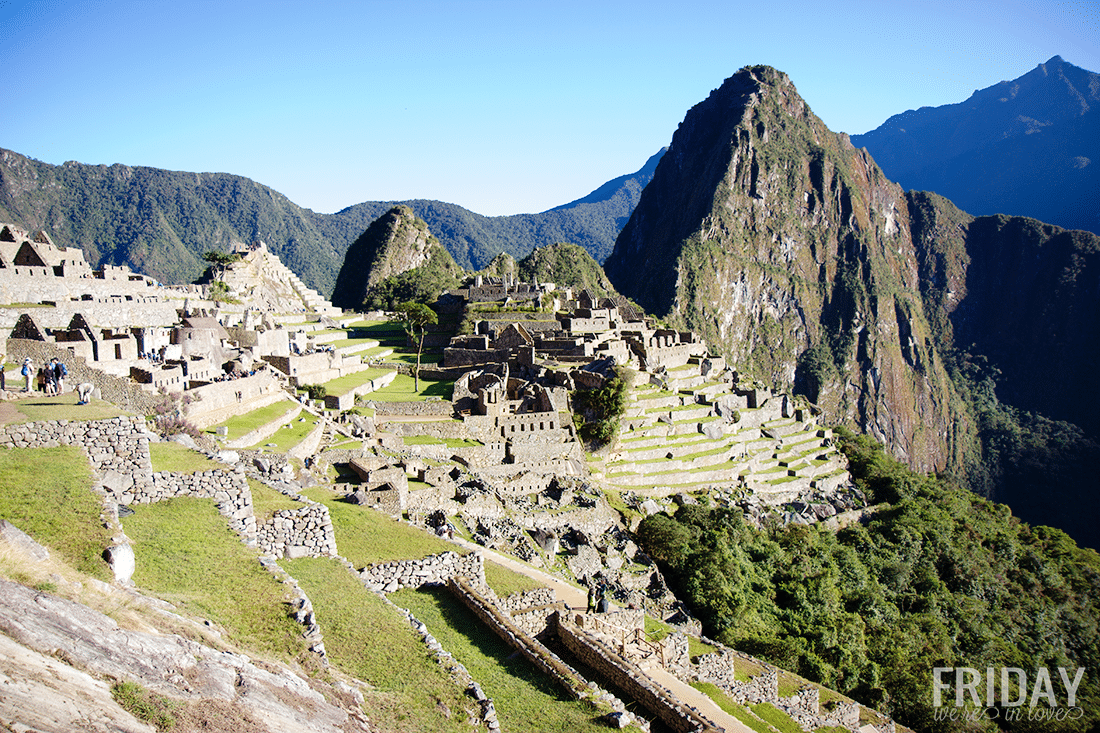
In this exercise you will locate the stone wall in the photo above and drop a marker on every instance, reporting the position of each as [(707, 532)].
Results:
[(218, 401), (295, 533), (718, 668), (393, 576), (229, 490), (114, 313), (118, 448), (429, 408), (626, 676), (546, 661)]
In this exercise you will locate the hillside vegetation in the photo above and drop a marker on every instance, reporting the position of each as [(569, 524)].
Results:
[(936, 577), (161, 222)]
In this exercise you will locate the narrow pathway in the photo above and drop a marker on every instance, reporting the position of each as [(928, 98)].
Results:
[(577, 598)]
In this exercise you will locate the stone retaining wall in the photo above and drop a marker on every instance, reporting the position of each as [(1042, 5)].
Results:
[(626, 676), (118, 447), (393, 576), (229, 489), (295, 533), (545, 660), (430, 408)]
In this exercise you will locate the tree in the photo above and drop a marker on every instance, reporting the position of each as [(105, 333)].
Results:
[(417, 318)]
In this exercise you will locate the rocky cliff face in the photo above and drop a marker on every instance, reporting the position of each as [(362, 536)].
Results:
[(398, 241), (790, 251)]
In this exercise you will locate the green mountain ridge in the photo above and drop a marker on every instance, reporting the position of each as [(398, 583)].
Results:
[(161, 222)]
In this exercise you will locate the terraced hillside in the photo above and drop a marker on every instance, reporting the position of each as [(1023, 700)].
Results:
[(694, 428)]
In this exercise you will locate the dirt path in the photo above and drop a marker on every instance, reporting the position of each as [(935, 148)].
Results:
[(578, 599)]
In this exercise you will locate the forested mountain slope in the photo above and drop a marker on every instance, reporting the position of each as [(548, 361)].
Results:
[(959, 342)]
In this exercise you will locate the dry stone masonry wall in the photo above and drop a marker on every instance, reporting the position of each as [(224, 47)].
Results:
[(304, 532), (393, 576)]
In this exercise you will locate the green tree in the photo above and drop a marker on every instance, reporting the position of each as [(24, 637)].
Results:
[(417, 317)]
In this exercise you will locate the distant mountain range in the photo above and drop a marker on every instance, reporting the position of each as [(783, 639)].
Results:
[(161, 222), (1027, 147)]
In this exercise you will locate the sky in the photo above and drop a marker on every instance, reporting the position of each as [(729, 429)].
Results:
[(503, 107)]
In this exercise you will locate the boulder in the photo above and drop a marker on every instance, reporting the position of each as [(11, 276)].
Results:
[(20, 540), (122, 561)]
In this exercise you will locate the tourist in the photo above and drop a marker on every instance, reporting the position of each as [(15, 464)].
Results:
[(84, 392), (27, 372), (60, 371), (591, 595), (51, 378)]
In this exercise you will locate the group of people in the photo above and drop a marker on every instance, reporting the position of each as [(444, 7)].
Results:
[(51, 377), (597, 596)]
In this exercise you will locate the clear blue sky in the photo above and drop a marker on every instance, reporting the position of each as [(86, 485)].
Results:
[(501, 107)]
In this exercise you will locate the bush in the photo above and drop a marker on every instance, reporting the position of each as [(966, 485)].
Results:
[(316, 391)]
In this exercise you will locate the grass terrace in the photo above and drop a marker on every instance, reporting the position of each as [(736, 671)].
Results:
[(370, 640), (60, 407), (241, 425), (266, 501), (368, 537), (401, 389), (345, 384), (290, 435), (449, 442), (169, 456), (188, 555), (48, 494)]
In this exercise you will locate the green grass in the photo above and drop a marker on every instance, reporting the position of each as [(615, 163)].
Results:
[(505, 582), (401, 390), (776, 717), (351, 342), (47, 493), (169, 456), (290, 434), (188, 555), (369, 640), (348, 382), (368, 537), (266, 501), (658, 630), (722, 700), (525, 699), (146, 705), (449, 442), (242, 425), (60, 407)]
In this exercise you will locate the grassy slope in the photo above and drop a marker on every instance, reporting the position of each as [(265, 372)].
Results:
[(525, 699), (47, 494)]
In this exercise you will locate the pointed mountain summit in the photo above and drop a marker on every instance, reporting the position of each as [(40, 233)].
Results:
[(965, 344), (1026, 147), (397, 242), (790, 252)]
